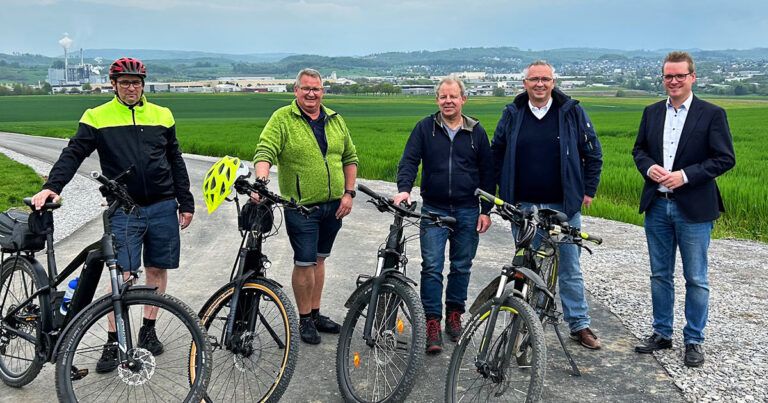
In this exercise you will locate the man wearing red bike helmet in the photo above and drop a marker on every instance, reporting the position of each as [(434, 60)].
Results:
[(129, 132)]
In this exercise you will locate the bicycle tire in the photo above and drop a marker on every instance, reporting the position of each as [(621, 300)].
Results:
[(463, 368), (214, 316), (353, 355), (19, 361), (174, 319)]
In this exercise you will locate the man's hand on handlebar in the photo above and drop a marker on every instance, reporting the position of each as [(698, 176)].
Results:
[(402, 197), (42, 196)]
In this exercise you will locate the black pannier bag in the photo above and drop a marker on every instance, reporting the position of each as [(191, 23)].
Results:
[(16, 235)]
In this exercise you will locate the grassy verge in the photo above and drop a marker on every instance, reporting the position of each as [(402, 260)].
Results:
[(19, 181)]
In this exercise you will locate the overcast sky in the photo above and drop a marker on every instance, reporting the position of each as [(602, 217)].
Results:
[(360, 27)]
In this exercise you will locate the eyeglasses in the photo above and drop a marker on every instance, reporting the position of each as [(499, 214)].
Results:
[(127, 84), (307, 90), (543, 80), (679, 77)]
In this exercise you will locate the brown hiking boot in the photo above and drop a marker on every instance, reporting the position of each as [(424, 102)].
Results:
[(587, 338)]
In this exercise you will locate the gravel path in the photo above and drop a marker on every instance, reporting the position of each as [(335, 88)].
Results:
[(618, 275)]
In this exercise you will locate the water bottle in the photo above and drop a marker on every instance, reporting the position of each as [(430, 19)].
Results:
[(68, 295)]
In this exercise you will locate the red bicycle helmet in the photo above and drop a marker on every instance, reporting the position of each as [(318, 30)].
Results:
[(127, 66)]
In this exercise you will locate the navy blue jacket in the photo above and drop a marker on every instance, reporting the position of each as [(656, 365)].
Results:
[(581, 157), (704, 153), (451, 170)]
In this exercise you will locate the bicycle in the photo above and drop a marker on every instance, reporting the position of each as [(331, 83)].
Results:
[(263, 318), (377, 357), (524, 296), (33, 330)]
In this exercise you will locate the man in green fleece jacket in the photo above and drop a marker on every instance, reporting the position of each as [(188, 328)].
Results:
[(317, 167)]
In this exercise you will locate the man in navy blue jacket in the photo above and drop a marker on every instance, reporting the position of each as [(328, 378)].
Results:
[(547, 154), (456, 159), (682, 145)]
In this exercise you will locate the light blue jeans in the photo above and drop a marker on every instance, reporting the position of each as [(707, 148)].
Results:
[(571, 281), (666, 230), (463, 246)]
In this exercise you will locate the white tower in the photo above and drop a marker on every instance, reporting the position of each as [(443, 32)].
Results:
[(65, 43)]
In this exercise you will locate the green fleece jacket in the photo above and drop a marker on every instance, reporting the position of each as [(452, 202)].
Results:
[(303, 173)]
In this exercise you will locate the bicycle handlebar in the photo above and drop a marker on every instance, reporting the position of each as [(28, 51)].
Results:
[(111, 187), (546, 219), (384, 203), (259, 186)]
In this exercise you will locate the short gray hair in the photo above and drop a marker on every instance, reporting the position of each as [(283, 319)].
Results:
[(451, 79), (307, 72), (539, 62)]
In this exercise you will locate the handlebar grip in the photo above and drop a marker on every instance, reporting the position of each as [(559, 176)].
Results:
[(49, 205), (592, 238), (100, 178), (367, 190), (489, 197)]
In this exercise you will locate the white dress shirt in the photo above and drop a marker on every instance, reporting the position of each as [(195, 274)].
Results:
[(540, 112), (673, 128)]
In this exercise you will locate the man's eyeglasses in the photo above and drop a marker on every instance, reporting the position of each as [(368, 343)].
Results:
[(679, 77), (544, 80), (307, 90), (129, 83)]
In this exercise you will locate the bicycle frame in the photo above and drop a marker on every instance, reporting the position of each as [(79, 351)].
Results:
[(93, 257)]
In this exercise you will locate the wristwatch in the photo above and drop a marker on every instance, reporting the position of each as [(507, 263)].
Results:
[(350, 192)]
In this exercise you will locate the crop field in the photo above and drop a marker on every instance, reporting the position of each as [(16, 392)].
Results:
[(221, 124)]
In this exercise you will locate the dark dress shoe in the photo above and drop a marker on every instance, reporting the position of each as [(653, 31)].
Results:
[(694, 355), (653, 343)]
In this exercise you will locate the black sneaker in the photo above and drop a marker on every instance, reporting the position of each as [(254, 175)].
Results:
[(453, 325), (434, 337), (325, 324), (108, 361), (308, 331), (148, 340), (694, 355), (653, 343)]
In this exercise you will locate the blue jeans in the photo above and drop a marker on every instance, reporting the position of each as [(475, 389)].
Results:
[(666, 230), (570, 280), (463, 246)]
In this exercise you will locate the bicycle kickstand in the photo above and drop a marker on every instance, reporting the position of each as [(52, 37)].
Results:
[(574, 369)]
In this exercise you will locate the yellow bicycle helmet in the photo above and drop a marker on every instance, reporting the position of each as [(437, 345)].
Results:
[(219, 179)]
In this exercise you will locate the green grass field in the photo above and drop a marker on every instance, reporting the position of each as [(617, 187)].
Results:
[(19, 181), (220, 124)]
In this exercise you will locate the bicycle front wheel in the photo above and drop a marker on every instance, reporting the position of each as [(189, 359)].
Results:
[(160, 363), (19, 361), (258, 361), (384, 368), (499, 378)]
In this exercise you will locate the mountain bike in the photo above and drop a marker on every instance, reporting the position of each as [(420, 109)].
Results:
[(33, 329), (252, 323), (383, 335), (506, 360)]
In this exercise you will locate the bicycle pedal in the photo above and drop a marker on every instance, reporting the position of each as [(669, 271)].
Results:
[(78, 374)]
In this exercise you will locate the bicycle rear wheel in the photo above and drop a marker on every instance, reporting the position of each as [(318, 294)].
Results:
[(19, 361), (259, 362), (163, 375), (385, 370), (500, 379)]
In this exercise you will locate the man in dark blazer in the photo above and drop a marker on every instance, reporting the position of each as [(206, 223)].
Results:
[(682, 145)]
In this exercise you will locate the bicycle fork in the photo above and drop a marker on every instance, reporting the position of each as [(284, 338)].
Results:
[(481, 362)]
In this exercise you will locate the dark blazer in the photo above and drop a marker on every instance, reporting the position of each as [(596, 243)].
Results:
[(705, 152)]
